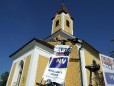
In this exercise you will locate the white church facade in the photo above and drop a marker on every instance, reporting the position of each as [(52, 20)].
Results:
[(29, 62)]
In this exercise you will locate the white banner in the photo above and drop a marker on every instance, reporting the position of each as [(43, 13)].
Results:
[(58, 63), (108, 69)]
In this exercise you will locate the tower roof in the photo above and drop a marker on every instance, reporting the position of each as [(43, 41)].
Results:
[(62, 9)]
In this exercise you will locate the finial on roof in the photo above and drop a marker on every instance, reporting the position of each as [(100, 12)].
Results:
[(62, 9)]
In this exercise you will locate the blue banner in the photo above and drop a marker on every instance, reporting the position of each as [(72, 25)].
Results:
[(60, 62), (109, 77), (108, 69), (57, 66)]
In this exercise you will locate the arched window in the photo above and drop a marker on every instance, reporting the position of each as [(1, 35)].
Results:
[(67, 23), (20, 72), (57, 23)]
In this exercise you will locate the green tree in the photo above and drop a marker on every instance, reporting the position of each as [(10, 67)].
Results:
[(4, 78), (99, 80), (112, 52), (0, 83)]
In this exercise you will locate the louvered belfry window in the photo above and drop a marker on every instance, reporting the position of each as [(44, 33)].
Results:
[(57, 23), (67, 23)]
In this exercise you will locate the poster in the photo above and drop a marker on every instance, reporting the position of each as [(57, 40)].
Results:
[(58, 63), (108, 69)]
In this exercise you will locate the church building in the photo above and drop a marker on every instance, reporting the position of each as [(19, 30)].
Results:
[(30, 61)]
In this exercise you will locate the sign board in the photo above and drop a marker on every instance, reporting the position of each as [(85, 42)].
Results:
[(58, 63), (108, 69)]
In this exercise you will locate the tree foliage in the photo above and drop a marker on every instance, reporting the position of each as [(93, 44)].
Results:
[(4, 78), (112, 52), (99, 79)]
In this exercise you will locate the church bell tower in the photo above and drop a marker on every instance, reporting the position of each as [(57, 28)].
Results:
[(62, 20)]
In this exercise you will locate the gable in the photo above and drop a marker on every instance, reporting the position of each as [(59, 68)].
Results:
[(59, 33), (30, 45)]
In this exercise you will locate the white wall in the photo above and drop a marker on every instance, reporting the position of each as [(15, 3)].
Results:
[(34, 63), (17, 61)]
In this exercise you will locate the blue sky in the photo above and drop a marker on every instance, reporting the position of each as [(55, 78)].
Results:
[(22, 20)]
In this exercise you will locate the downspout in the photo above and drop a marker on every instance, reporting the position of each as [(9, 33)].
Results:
[(79, 53), (78, 42)]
